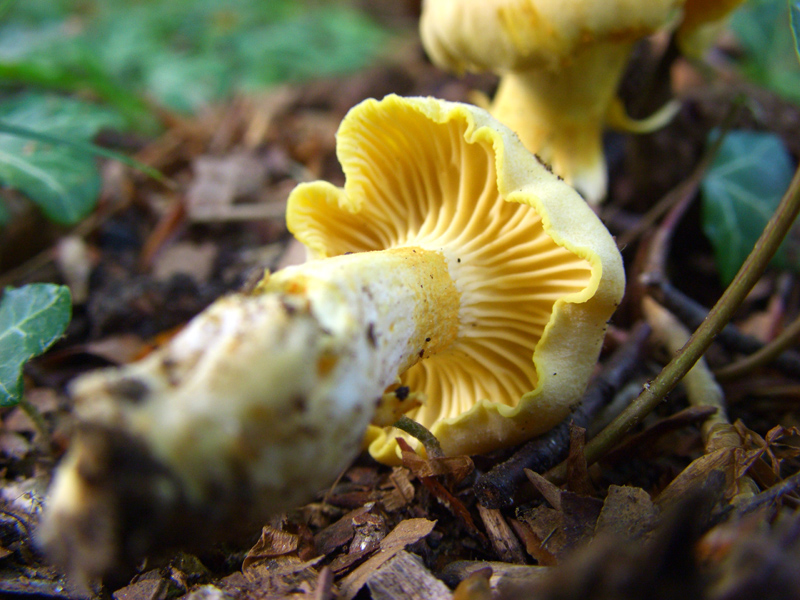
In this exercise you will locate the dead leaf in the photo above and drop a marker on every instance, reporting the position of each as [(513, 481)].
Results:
[(546, 541), (273, 542), (341, 532), (195, 260), (628, 513), (219, 182), (574, 518), (713, 472), (455, 467)]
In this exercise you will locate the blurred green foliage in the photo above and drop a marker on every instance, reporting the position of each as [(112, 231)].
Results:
[(62, 180), (741, 190), (764, 31), (32, 318), (182, 54)]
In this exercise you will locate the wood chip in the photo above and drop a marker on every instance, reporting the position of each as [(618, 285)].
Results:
[(146, 588), (501, 573), (475, 587), (548, 490), (324, 589), (407, 532), (578, 480), (341, 532), (404, 577), (402, 492), (504, 542)]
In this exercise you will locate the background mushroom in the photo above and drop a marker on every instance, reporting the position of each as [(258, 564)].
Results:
[(560, 64), (486, 269), (702, 21)]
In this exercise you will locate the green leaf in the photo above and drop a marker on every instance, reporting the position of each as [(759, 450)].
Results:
[(62, 180), (32, 318), (86, 148), (769, 47), (741, 190), (794, 17)]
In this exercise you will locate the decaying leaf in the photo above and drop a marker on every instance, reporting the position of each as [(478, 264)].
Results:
[(628, 513)]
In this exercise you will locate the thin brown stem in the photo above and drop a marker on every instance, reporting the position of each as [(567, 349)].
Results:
[(788, 337)]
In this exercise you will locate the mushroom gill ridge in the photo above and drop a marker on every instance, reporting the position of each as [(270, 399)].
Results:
[(442, 177)]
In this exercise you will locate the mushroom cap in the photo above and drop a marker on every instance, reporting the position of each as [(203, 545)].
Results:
[(538, 273), (513, 35)]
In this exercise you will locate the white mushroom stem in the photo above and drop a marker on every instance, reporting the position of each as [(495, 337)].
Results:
[(256, 405)]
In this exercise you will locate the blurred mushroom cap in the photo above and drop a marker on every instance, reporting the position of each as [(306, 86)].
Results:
[(512, 35), (702, 21)]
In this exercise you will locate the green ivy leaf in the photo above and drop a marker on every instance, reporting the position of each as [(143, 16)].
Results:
[(770, 51), (32, 318), (62, 180), (741, 190)]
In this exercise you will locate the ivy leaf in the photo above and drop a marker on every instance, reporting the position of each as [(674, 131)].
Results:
[(741, 190), (32, 318), (62, 180), (770, 56)]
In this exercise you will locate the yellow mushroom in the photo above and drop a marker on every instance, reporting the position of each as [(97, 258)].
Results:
[(702, 22), (451, 259), (560, 64)]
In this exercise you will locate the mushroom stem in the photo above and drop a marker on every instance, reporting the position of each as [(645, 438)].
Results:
[(559, 113), (259, 402)]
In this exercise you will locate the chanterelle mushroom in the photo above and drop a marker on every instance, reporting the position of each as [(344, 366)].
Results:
[(560, 64), (451, 258), (702, 21)]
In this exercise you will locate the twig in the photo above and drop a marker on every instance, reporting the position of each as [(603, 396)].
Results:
[(495, 489), (692, 314), (701, 387), (653, 393), (765, 355), (687, 416), (787, 486)]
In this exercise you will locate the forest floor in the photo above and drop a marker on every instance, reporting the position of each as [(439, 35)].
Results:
[(671, 512)]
